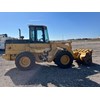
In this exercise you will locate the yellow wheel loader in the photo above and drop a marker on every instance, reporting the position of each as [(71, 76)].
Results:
[(38, 48)]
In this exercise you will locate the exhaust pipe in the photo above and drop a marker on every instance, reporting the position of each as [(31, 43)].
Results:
[(20, 37), (19, 33)]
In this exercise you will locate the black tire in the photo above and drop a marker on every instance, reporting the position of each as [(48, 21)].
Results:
[(25, 61), (58, 61)]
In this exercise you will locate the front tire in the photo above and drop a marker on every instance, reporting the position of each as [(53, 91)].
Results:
[(64, 59), (25, 61)]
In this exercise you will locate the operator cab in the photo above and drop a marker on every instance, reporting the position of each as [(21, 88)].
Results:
[(38, 34)]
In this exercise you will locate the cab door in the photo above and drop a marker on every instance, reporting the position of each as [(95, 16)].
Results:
[(41, 40)]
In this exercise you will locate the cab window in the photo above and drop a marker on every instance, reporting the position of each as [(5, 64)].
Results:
[(40, 35)]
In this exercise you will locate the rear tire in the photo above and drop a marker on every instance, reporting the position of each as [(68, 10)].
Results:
[(64, 59), (25, 61)]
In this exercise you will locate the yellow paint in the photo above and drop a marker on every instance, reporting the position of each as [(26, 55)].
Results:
[(24, 61), (12, 50), (79, 54), (65, 59)]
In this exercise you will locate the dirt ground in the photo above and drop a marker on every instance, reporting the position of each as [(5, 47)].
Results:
[(49, 75)]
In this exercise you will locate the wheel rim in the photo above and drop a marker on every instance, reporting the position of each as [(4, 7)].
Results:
[(25, 62), (65, 59)]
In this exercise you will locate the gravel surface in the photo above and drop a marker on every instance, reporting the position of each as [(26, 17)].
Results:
[(49, 75)]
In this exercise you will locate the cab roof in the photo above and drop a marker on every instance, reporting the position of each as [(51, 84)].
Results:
[(37, 26)]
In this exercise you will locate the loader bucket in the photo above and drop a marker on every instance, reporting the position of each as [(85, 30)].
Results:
[(83, 56)]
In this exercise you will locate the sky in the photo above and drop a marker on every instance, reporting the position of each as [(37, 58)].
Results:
[(61, 25)]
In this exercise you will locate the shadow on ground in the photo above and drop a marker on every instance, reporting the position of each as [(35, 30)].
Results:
[(45, 74)]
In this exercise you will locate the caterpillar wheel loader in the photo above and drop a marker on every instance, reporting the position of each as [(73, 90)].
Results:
[(38, 48)]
